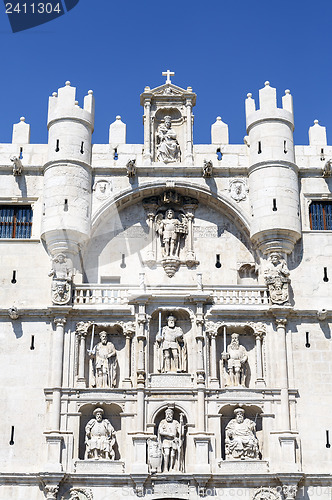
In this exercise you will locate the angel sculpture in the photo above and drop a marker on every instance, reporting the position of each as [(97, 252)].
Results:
[(170, 231)]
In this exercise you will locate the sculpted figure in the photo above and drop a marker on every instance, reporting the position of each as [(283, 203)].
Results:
[(104, 363), (277, 279), (170, 230), (62, 274), (236, 358), (168, 149), (240, 441), (172, 355), (171, 439), (17, 165), (99, 438)]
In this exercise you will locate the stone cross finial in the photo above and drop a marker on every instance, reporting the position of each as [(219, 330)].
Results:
[(168, 74)]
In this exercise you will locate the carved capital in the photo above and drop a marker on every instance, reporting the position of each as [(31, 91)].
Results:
[(258, 328), (281, 322), (129, 329), (60, 321), (82, 328), (289, 491), (51, 492)]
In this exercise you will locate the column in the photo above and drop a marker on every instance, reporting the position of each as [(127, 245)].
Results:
[(200, 369), (189, 145), (190, 257), (283, 373), (81, 381), (147, 132), (129, 333), (57, 355), (141, 373), (259, 360), (151, 255)]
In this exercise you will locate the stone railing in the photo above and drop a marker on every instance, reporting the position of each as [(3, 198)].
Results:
[(120, 295)]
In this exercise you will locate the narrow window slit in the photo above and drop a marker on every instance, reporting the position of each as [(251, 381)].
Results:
[(274, 207), (219, 154), (82, 148), (21, 154), (57, 148), (322, 156), (11, 442), (285, 147), (307, 343), (14, 278), (123, 262), (218, 263), (32, 345), (325, 275), (116, 156), (65, 206), (328, 440), (259, 147)]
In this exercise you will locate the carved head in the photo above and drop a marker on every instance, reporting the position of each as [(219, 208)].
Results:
[(275, 257), (169, 415), (103, 337), (98, 413), (61, 258), (171, 321), (239, 415), (235, 339), (170, 213), (168, 121)]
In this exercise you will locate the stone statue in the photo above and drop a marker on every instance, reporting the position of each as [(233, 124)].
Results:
[(240, 440), (62, 274), (236, 358), (99, 438), (171, 439), (172, 349), (168, 146), (17, 165), (277, 279), (105, 364), (170, 230)]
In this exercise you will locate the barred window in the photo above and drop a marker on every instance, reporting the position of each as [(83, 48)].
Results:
[(15, 221), (321, 215)]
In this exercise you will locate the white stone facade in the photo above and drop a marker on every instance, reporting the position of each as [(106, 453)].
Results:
[(200, 264)]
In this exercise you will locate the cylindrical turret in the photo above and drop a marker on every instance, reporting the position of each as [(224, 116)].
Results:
[(273, 174), (67, 173)]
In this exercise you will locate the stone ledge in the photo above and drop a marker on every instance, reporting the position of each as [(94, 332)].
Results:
[(247, 466), (99, 466)]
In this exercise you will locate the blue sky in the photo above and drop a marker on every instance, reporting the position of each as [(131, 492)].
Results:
[(222, 48)]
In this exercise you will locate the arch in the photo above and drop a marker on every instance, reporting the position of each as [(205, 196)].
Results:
[(131, 196), (155, 414)]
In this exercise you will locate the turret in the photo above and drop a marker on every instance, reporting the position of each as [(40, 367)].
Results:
[(273, 174), (67, 173)]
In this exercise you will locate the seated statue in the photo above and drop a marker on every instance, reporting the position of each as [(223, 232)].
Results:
[(168, 146), (99, 438), (240, 440), (277, 279)]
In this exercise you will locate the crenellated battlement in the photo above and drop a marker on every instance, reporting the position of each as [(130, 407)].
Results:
[(268, 109), (63, 105)]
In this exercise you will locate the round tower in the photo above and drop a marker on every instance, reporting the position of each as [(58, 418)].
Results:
[(273, 174), (67, 172)]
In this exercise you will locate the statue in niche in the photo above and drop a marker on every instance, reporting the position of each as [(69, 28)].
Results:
[(62, 274), (236, 358), (277, 279), (168, 149), (172, 349), (104, 363), (170, 231), (171, 439), (240, 441), (99, 438)]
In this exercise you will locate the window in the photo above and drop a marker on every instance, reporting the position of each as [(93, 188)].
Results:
[(321, 215), (15, 221)]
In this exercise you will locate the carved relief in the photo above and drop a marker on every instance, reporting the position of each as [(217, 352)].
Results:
[(104, 363), (100, 438), (207, 168), (171, 439), (266, 494), (171, 348), (238, 189), (170, 230), (277, 279), (80, 494), (240, 440), (62, 274), (131, 168), (102, 189), (154, 455)]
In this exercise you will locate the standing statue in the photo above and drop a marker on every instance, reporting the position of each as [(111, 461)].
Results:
[(240, 440), (171, 439), (172, 349), (62, 274), (104, 363), (170, 230), (236, 358), (99, 438), (168, 147), (277, 279)]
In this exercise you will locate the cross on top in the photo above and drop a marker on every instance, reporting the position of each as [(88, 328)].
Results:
[(168, 74)]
